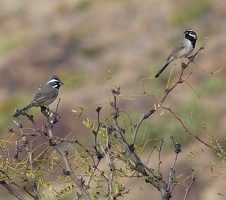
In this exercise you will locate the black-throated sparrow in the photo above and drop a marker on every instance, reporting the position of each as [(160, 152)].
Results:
[(182, 49), (45, 96)]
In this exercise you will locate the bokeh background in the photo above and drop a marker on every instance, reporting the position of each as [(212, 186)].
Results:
[(92, 45)]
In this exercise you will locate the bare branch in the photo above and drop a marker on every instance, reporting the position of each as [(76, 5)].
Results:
[(189, 187), (11, 190), (172, 168), (185, 128), (144, 116)]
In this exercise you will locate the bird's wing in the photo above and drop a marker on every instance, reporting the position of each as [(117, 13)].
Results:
[(39, 98), (176, 50), (43, 95)]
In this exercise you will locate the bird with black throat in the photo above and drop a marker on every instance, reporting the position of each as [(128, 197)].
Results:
[(182, 49), (45, 95)]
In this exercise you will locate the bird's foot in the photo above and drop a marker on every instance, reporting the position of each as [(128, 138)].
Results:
[(46, 111), (49, 113), (191, 58), (183, 65)]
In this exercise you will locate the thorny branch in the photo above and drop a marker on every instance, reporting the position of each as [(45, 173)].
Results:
[(183, 67), (172, 169), (157, 181), (185, 128), (167, 91), (127, 152), (150, 176), (8, 185), (49, 136)]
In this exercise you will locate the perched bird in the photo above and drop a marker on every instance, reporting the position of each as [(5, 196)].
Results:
[(45, 96), (182, 49)]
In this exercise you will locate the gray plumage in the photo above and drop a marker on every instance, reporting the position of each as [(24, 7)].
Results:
[(45, 96), (182, 49)]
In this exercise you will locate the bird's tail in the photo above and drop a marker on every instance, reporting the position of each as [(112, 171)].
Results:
[(19, 112), (162, 69)]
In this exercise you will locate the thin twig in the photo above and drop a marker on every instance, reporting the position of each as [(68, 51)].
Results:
[(159, 157), (172, 168), (183, 67), (189, 187), (144, 116), (185, 128)]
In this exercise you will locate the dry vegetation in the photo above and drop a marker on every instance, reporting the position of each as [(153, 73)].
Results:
[(87, 42)]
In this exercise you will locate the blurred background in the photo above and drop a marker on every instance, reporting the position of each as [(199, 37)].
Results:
[(92, 45)]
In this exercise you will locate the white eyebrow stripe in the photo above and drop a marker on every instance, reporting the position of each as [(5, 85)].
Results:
[(193, 35), (53, 80)]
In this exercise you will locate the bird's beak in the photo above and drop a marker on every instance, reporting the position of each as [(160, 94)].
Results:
[(61, 83)]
